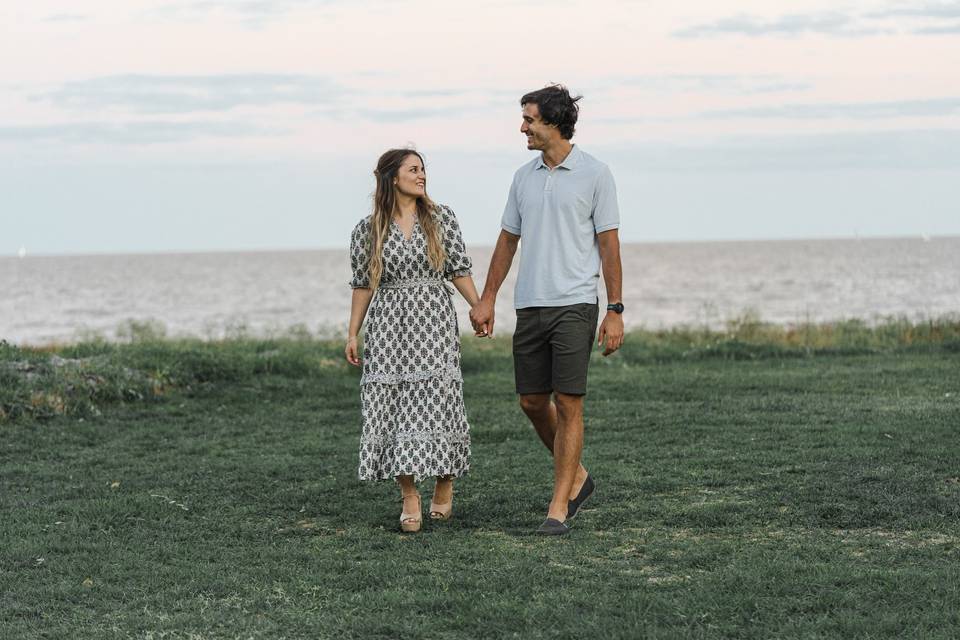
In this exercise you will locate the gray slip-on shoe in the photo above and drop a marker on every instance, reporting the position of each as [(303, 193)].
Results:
[(573, 506), (551, 527)]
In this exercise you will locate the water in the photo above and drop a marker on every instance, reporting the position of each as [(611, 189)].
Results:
[(58, 299)]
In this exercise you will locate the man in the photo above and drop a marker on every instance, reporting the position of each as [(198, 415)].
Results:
[(563, 204)]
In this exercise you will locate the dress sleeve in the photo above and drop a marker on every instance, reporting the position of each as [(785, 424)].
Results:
[(458, 264), (360, 256)]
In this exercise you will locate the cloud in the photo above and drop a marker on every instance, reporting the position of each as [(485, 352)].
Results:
[(405, 115), (415, 112), (182, 94), (434, 93), (857, 110), (132, 132), (715, 83), (924, 10), (908, 18), (941, 30), (930, 18), (836, 24), (930, 149), (67, 17), (253, 13)]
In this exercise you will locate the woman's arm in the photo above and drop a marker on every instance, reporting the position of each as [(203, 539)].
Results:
[(358, 311), (465, 286)]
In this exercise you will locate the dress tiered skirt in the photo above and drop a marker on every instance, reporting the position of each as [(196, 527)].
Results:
[(414, 422)]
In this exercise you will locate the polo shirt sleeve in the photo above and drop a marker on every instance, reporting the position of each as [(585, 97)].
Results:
[(511, 220), (606, 211)]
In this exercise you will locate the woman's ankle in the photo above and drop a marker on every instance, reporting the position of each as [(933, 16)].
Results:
[(443, 490)]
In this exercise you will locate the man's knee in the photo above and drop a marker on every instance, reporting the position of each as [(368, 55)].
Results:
[(535, 403), (568, 406)]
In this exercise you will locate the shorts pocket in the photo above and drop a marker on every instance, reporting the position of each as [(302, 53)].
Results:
[(586, 311)]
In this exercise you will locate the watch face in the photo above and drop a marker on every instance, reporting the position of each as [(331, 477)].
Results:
[(617, 307)]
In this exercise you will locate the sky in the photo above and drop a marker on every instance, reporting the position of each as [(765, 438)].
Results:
[(193, 125)]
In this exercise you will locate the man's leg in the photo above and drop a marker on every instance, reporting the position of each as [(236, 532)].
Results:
[(544, 416), (567, 445)]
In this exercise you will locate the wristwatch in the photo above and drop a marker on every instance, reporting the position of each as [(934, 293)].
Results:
[(616, 307)]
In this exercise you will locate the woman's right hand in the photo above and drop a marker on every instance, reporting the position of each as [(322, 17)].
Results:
[(352, 352), (481, 317)]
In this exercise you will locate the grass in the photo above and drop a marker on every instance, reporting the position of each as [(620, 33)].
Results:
[(752, 483)]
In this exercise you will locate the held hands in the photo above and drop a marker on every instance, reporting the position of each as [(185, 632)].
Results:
[(611, 330), (481, 317), (352, 352)]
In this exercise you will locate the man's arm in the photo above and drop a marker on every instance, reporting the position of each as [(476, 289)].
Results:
[(611, 328), (482, 314)]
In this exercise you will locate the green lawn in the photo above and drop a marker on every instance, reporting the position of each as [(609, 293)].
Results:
[(746, 489)]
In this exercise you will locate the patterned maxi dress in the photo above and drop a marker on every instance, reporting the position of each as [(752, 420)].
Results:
[(411, 391)]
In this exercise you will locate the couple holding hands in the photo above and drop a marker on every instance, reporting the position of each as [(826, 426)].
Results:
[(563, 204)]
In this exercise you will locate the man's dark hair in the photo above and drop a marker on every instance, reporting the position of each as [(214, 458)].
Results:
[(556, 107)]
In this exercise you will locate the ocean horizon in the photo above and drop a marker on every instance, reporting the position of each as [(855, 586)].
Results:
[(480, 247), (262, 292)]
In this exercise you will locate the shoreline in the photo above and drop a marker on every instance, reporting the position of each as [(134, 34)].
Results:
[(132, 331), (919, 237)]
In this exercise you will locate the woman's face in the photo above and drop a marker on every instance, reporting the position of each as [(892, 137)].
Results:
[(411, 177)]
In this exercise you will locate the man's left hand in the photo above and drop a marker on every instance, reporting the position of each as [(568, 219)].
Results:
[(611, 330)]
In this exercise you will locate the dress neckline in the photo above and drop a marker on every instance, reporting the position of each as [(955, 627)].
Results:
[(413, 230)]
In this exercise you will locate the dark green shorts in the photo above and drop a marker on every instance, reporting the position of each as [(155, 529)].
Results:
[(551, 348)]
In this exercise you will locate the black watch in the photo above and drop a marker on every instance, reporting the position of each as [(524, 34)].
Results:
[(616, 308)]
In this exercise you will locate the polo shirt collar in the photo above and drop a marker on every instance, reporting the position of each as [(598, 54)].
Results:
[(569, 163)]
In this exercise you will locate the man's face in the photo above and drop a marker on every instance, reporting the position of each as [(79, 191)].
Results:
[(539, 133)]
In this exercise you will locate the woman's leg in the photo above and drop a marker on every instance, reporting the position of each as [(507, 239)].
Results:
[(410, 517), (441, 507), (443, 490), (407, 488)]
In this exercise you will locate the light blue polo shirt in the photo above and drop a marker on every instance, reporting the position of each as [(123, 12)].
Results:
[(557, 215)]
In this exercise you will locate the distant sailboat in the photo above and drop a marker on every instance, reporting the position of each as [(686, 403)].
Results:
[(925, 237), (22, 252)]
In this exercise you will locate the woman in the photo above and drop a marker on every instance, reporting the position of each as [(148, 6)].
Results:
[(414, 424)]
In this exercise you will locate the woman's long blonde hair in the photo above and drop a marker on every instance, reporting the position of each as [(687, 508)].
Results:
[(384, 206)]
